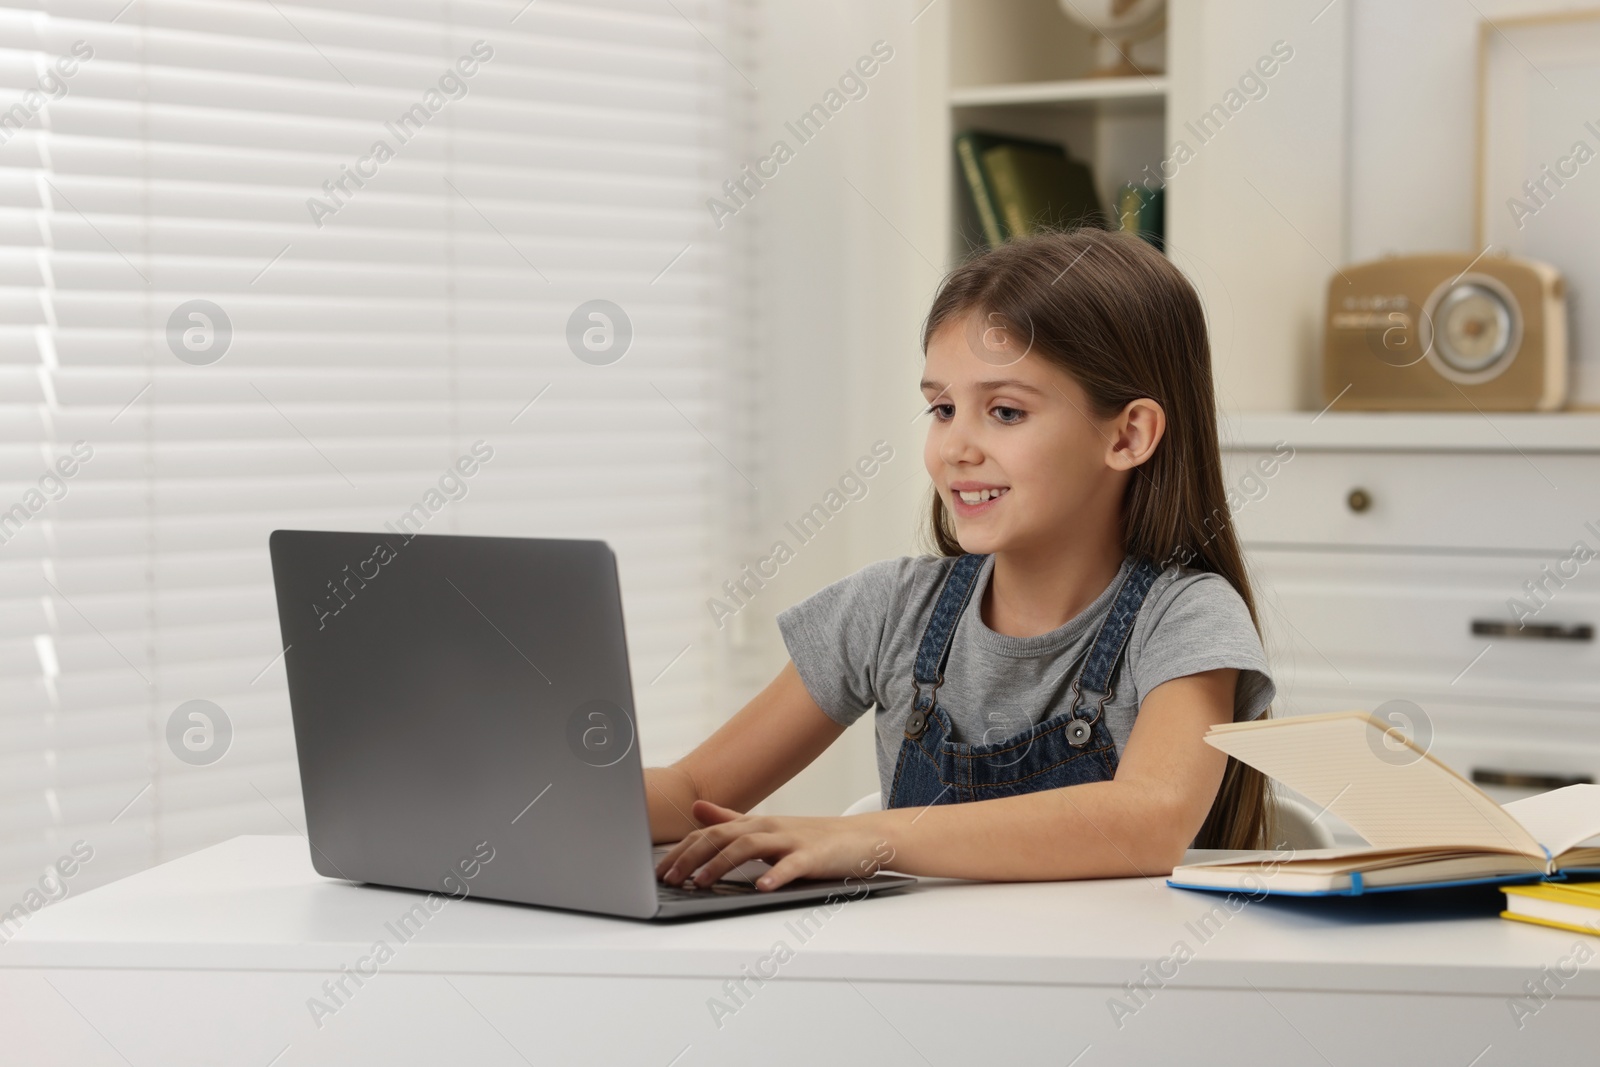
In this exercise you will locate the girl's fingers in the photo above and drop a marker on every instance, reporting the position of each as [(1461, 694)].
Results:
[(708, 813), (675, 855), (714, 861), (692, 851), (676, 862), (664, 864), (783, 872), (746, 847)]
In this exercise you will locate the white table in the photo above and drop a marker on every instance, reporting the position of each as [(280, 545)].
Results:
[(212, 959)]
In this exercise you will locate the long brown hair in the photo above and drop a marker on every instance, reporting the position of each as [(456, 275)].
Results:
[(1118, 316)]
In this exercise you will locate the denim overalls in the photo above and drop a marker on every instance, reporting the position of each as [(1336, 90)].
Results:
[(1068, 748)]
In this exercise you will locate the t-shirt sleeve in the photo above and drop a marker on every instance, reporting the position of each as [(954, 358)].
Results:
[(835, 635), (1201, 624)]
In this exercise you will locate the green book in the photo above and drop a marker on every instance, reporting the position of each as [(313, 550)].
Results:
[(1037, 187), (1140, 211), (969, 153)]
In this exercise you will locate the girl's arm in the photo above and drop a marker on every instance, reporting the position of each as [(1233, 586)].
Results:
[(1140, 822), (768, 742)]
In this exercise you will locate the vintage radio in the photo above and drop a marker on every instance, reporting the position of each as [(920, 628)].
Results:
[(1446, 332)]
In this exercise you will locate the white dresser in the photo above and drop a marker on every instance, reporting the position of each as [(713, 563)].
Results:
[(1384, 554)]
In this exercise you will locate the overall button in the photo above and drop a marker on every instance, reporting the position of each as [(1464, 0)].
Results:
[(916, 723)]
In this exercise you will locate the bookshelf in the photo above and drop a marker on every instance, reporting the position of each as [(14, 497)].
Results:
[(1021, 67)]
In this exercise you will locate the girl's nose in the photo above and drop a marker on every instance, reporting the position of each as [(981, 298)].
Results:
[(960, 444)]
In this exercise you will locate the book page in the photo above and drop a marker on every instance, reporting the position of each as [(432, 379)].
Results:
[(1388, 790), (1345, 858), (1562, 818)]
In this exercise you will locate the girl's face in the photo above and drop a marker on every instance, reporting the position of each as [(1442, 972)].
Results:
[(1013, 446)]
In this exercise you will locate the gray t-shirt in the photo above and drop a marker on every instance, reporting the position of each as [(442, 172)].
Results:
[(855, 644)]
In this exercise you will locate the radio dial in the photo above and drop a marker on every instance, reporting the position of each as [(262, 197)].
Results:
[(1473, 328)]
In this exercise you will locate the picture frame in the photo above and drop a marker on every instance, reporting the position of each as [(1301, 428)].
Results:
[(1538, 163)]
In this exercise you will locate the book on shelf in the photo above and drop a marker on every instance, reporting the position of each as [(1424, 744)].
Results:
[(1425, 825), (1142, 210), (1019, 186)]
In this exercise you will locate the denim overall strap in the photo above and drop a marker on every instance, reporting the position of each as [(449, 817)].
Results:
[(934, 652), (1112, 635)]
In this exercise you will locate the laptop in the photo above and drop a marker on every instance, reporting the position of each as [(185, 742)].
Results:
[(464, 722)]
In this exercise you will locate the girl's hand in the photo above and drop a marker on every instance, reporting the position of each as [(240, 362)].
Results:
[(795, 846)]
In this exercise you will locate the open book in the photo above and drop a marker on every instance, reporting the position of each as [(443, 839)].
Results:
[(1425, 825)]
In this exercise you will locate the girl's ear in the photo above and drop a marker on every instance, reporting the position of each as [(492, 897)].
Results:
[(1135, 433)]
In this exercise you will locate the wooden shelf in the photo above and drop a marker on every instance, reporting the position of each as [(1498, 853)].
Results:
[(1074, 91), (1408, 431)]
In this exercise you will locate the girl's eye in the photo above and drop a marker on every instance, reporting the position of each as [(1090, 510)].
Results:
[(942, 412), (1006, 415)]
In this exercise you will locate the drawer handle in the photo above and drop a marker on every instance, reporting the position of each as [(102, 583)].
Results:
[(1552, 631), (1524, 780), (1359, 500)]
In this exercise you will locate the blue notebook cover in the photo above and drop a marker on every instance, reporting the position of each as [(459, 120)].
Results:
[(1359, 888)]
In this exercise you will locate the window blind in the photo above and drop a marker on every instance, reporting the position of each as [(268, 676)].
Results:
[(226, 309)]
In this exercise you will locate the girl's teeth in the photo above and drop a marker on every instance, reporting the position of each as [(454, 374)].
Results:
[(980, 495)]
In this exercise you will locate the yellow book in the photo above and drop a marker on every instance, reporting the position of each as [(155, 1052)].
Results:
[(1566, 907)]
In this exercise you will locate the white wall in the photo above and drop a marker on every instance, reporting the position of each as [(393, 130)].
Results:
[(1256, 215)]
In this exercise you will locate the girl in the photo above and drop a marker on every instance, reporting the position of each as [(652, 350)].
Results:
[(1043, 683)]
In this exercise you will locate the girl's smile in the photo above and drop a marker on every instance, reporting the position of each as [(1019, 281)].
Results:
[(971, 499)]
